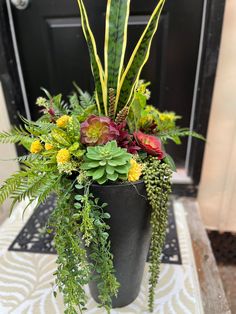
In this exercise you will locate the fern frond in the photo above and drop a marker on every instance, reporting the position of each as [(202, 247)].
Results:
[(29, 187), (51, 185), (34, 187), (177, 133), (11, 184), (16, 135), (29, 157), (85, 98), (38, 127), (60, 106)]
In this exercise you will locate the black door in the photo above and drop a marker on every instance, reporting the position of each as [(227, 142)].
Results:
[(53, 52)]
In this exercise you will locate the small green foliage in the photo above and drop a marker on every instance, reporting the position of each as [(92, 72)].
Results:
[(79, 222), (157, 177), (61, 137), (82, 104), (53, 105), (107, 162), (91, 218), (73, 270)]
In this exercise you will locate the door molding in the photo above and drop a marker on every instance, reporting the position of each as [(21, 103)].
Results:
[(17, 60), (210, 53), (9, 77), (8, 69)]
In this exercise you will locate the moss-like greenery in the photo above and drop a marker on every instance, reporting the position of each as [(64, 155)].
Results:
[(157, 177)]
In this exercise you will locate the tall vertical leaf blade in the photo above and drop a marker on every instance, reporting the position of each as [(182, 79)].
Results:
[(96, 66), (115, 40), (138, 59)]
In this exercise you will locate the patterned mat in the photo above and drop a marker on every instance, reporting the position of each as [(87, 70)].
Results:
[(26, 279), (33, 238)]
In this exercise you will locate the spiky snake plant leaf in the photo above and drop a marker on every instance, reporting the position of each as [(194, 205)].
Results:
[(96, 65), (115, 45), (138, 59), (115, 41)]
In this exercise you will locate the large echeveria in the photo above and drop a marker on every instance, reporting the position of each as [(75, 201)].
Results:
[(107, 162), (97, 130)]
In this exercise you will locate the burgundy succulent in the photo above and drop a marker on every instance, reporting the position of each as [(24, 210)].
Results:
[(97, 130), (126, 140)]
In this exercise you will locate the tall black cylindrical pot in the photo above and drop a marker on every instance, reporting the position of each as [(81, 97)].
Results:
[(129, 233)]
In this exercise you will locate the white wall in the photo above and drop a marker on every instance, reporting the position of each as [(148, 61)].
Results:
[(6, 151), (217, 194)]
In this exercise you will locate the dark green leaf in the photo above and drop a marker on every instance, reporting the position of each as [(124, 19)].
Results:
[(170, 162)]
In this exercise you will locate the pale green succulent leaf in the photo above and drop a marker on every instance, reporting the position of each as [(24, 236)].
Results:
[(123, 170), (112, 177), (102, 180), (110, 169), (98, 173)]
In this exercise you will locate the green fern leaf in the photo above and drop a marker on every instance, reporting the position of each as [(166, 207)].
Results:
[(11, 184), (16, 135), (176, 134)]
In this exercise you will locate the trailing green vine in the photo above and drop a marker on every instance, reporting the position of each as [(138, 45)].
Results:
[(73, 270), (83, 247), (94, 229), (157, 177)]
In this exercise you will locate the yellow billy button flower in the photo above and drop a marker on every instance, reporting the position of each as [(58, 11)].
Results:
[(48, 146), (135, 171), (36, 147), (63, 121), (63, 156)]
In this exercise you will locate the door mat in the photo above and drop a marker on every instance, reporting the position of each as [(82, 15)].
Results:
[(33, 237), (223, 246), (27, 281)]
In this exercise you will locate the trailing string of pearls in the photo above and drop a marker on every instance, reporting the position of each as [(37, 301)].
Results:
[(157, 178)]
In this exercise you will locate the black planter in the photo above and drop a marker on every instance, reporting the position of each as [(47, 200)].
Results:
[(130, 235)]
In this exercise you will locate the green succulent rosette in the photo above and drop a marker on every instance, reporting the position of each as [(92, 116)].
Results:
[(108, 162)]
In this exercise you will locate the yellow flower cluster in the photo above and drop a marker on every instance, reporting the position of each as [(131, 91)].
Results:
[(48, 146), (146, 120), (135, 171), (63, 156), (36, 147), (63, 121), (170, 116)]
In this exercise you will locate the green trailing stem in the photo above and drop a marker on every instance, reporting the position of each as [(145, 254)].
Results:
[(157, 177), (91, 218), (73, 271)]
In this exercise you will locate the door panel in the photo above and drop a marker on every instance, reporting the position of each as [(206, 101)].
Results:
[(53, 51)]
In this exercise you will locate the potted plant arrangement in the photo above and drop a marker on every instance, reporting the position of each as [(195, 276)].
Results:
[(104, 157)]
